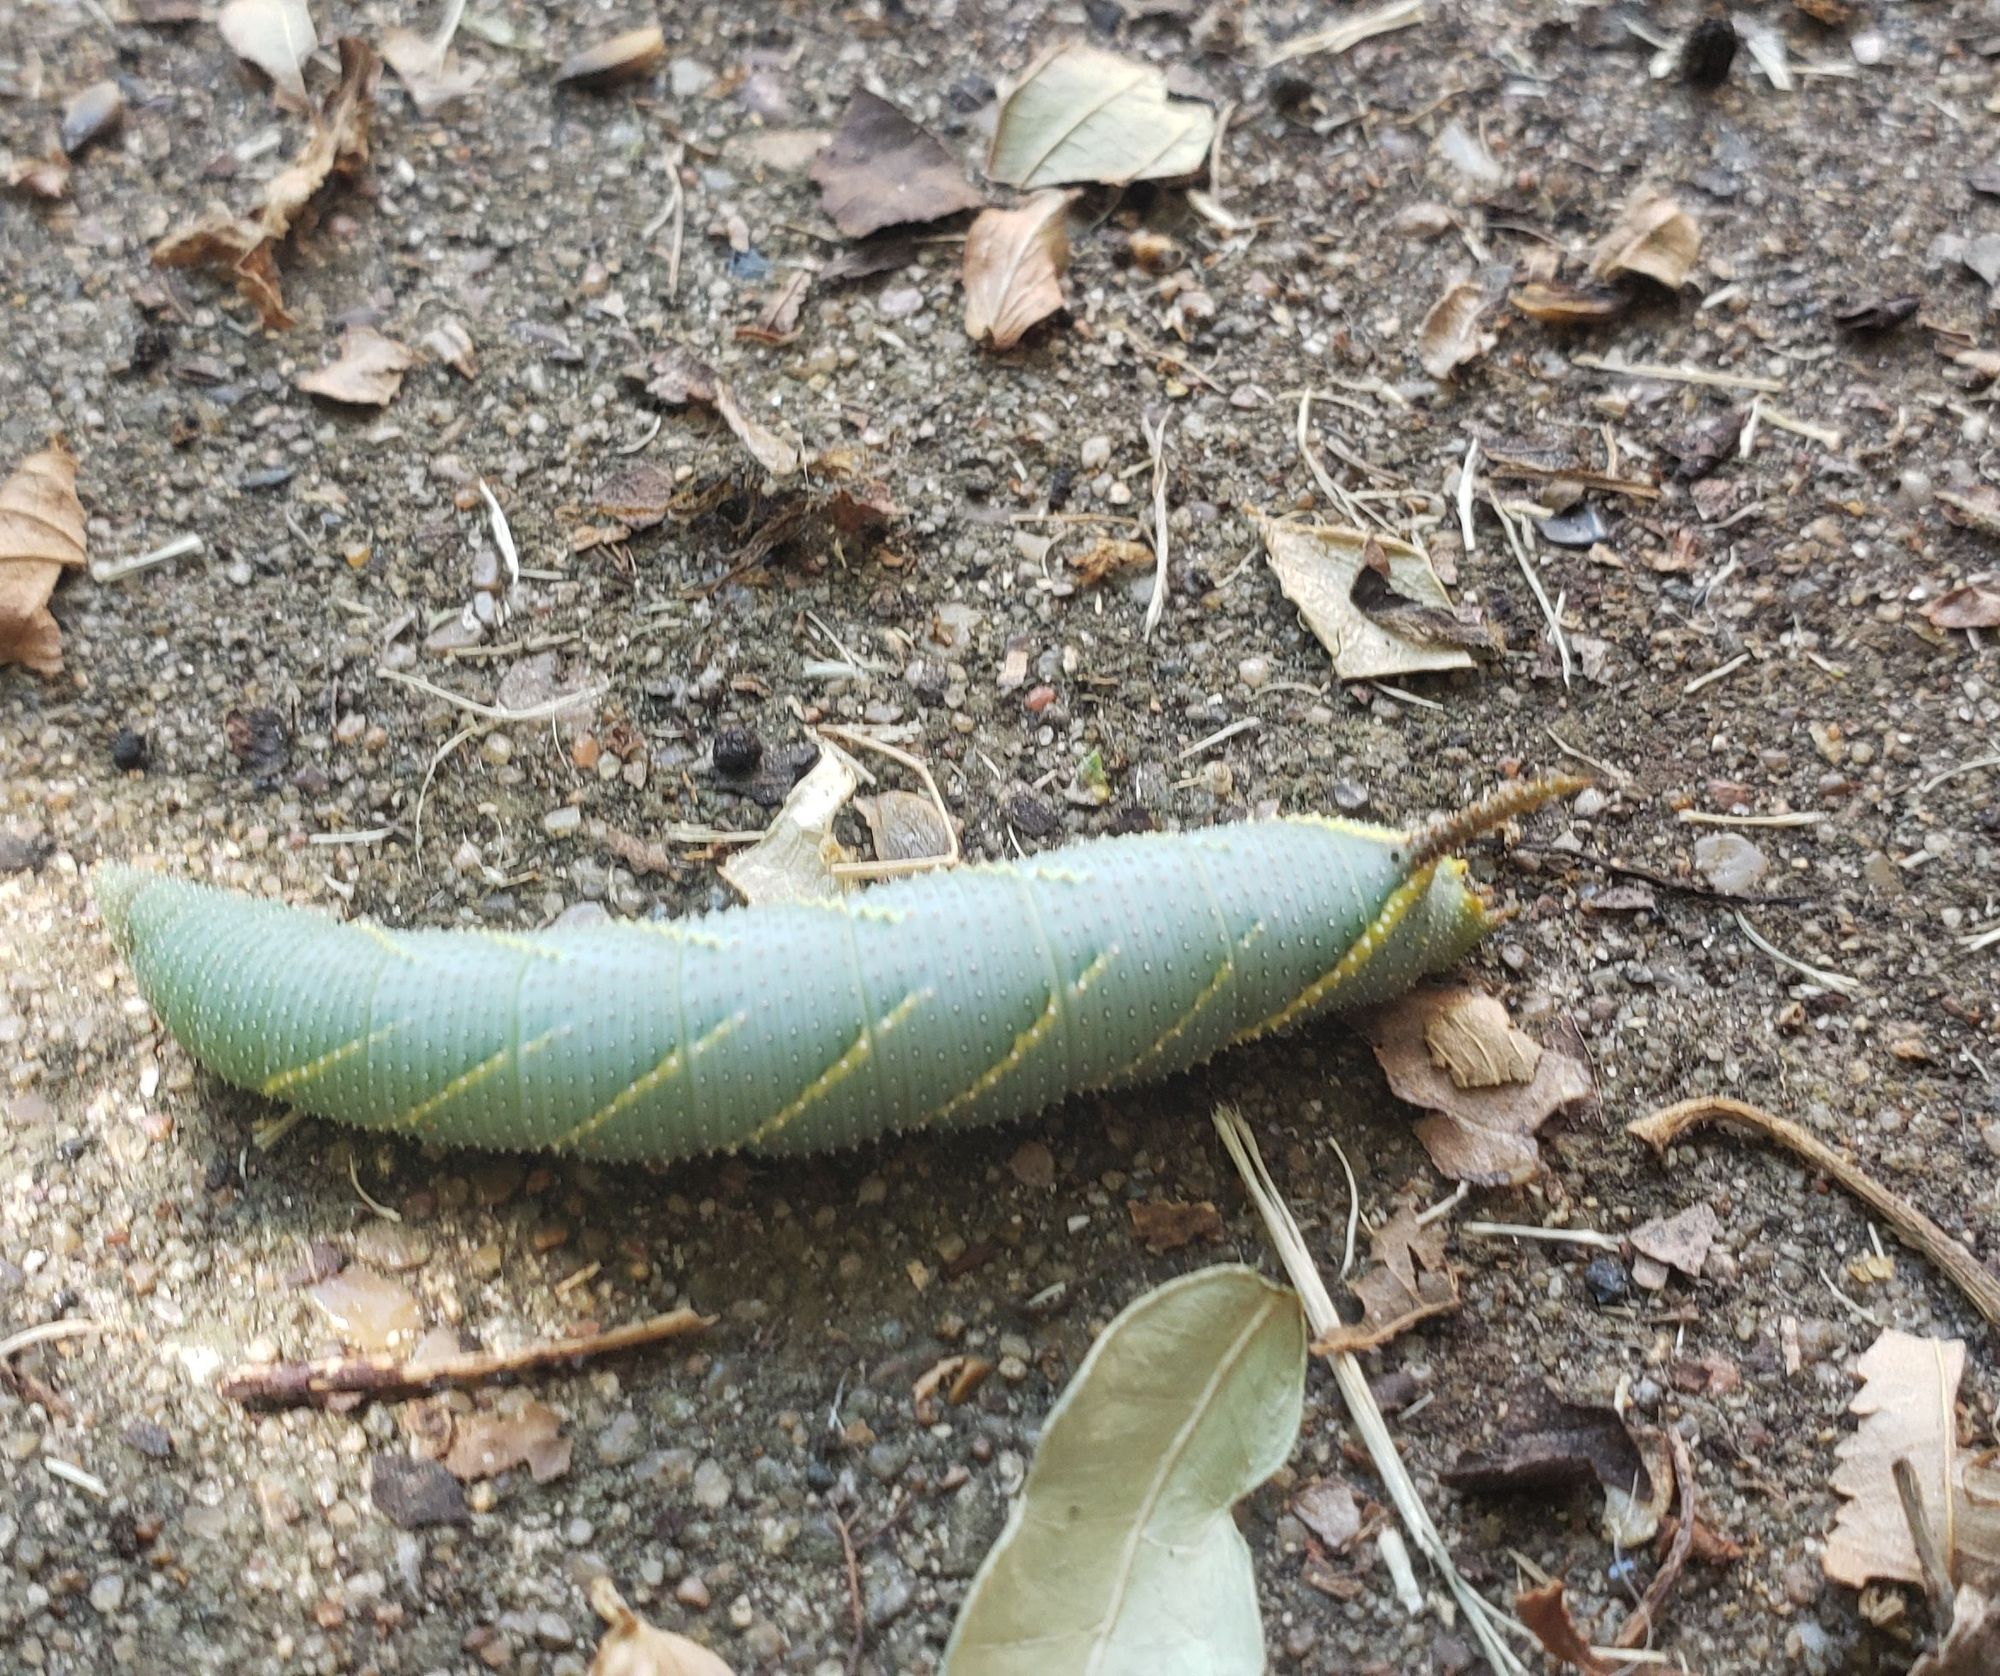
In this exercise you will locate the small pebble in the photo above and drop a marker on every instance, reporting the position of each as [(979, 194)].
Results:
[(128, 750), (1607, 1280)]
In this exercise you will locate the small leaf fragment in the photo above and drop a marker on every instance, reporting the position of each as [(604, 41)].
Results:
[(1317, 566), (623, 58), (1974, 606), (90, 115), (1121, 1556), (368, 372), (520, 1431), (904, 826), (1165, 1225), (1653, 237), (432, 74), (277, 36), (792, 862), (1680, 1241), (1450, 335), (41, 535), (1410, 1281), (633, 1647), (1078, 114), (880, 169), (1477, 1044), (1556, 303), (1907, 1409), (1014, 263), (45, 177), (777, 454)]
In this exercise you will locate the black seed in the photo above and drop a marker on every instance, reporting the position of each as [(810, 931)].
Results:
[(737, 751), (1710, 50), (128, 750)]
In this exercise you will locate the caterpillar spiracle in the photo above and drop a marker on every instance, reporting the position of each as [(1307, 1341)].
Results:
[(944, 1000)]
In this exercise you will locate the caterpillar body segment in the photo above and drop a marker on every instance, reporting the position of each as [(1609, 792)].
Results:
[(948, 999)]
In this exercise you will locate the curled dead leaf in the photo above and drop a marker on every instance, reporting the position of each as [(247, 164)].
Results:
[(623, 58), (1014, 263), (1080, 114), (1319, 566), (368, 372), (1108, 555), (1653, 237), (432, 74), (1477, 1045), (1450, 335), (277, 37), (633, 1647), (1558, 303), (880, 169), (956, 1378), (777, 454), (1546, 1613), (1410, 1281), (904, 826), (41, 536)]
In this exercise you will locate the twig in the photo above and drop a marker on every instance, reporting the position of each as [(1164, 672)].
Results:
[(1242, 724), (1971, 767), (859, 1644), (1827, 439), (116, 570), (1645, 1616), (1795, 817), (1838, 982), (1485, 1620), (1679, 374), (1930, 1560), (390, 1379), (1353, 1207), (1468, 483), (387, 1213), (909, 864), (1506, 465), (1717, 673), (548, 708), (1663, 881), (1664, 1127), (1611, 770), (46, 1332), (1558, 1236), (1156, 440), (1340, 452), (1342, 37), (70, 1473), (424, 790), (1518, 540), (503, 536)]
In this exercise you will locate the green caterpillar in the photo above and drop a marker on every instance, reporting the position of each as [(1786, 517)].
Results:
[(956, 998)]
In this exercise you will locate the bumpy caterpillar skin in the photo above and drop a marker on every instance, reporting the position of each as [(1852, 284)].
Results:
[(945, 1000)]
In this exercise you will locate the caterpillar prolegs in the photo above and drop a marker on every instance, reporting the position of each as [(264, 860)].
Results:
[(944, 1000)]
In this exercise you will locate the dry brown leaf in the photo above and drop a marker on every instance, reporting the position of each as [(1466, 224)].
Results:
[(432, 74), (1546, 1613), (368, 373), (1014, 263), (1680, 1241), (623, 58), (633, 1647), (1409, 1282), (1080, 114), (1558, 303), (451, 343), (1653, 236), (277, 36), (675, 377), (1907, 1406), (521, 1432), (46, 178), (1482, 1135), (777, 454), (1450, 335), (904, 826), (1978, 508), (1108, 555), (41, 535), (1972, 1646), (1970, 607), (245, 248), (956, 1378), (880, 169), (1477, 1045), (1547, 1442), (1327, 1508), (1165, 1225)]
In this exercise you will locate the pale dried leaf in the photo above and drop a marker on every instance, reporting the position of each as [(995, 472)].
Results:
[(1080, 114), (41, 535), (1317, 565), (777, 454), (1654, 237), (1907, 1406), (1977, 508), (880, 169), (432, 74), (793, 861), (1476, 1044), (370, 1311), (633, 1647), (623, 58), (1680, 1241), (451, 343), (1450, 335), (277, 36), (46, 178), (1972, 1647), (1971, 607), (1482, 1135), (520, 1432), (1014, 263), (1164, 1225), (368, 373), (955, 1378), (1409, 1281), (1327, 1508), (904, 826)]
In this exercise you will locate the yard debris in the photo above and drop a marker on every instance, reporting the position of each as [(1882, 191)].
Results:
[(1481, 1134), (1545, 1612), (1318, 566), (1164, 1225), (368, 372), (956, 1378), (1674, 1242), (1974, 606), (370, 1311), (776, 453), (1080, 115), (518, 1431), (904, 826), (1106, 556), (41, 535), (449, 342), (1409, 1281), (880, 169), (431, 73), (1014, 263), (623, 58), (45, 177), (1878, 314), (1562, 303), (246, 248), (633, 1647), (1663, 1128), (793, 861), (1975, 508), (1477, 1044), (1652, 237), (1327, 1508), (1546, 1441), (1348, 33), (277, 36), (414, 1493), (1729, 862), (1451, 334), (90, 115)]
